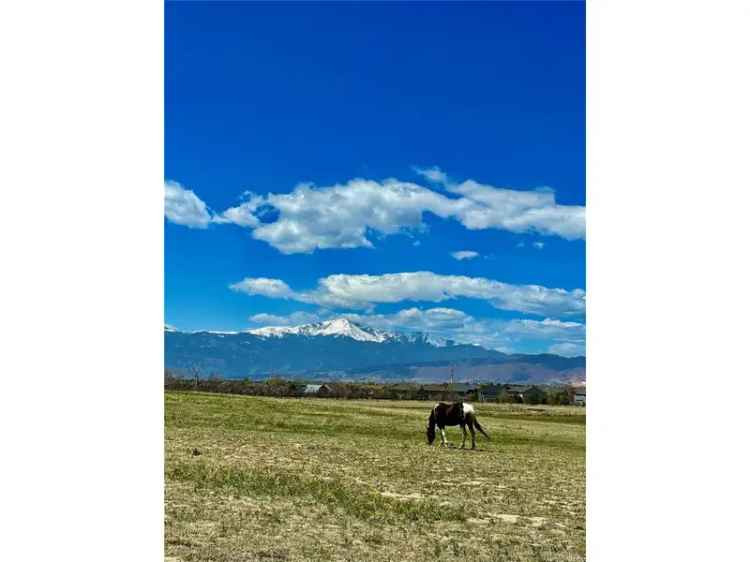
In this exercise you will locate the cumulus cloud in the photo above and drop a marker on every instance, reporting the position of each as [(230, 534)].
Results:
[(340, 216), (465, 255), (272, 288), (484, 206), (538, 245), (344, 215), (568, 349), (243, 214), (526, 336), (182, 206), (435, 320), (517, 335), (549, 327), (293, 319), (365, 291)]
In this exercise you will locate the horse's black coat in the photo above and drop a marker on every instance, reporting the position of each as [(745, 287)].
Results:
[(449, 414)]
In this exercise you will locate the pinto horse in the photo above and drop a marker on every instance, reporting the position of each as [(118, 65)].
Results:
[(456, 413)]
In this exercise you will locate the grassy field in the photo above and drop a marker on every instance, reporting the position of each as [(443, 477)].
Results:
[(250, 478)]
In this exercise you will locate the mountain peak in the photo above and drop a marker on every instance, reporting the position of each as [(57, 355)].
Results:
[(337, 327), (339, 324)]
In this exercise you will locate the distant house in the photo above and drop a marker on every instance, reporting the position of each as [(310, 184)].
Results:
[(488, 392), (579, 395), (447, 391), (317, 390), (465, 390), (403, 391), (521, 394), (512, 392), (435, 391)]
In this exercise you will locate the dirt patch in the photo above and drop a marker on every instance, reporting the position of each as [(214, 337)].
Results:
[(506, 517)]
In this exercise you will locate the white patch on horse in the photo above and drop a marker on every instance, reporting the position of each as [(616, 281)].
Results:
[(468, 409)]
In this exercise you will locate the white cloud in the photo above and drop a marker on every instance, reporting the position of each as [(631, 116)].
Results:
[(517, 335), (292, 319), (433, 174), (343, 215), (548, 327), (465, 255), (430, 320), (538, 245), (365, 291), (340, 216), (243, 214), (485, 206), (568, 349), (272, 288), (182, 206)]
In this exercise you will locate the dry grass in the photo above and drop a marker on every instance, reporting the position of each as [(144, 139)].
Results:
[(251, 479)]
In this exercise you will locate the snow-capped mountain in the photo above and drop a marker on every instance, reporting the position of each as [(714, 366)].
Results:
[(345, 328), (341, 348), (339, 327)]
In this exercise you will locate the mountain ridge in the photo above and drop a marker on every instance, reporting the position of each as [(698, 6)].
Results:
[(340, 349)]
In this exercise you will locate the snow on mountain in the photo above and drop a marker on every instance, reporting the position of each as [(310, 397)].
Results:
[(436, 341), (339, 327)]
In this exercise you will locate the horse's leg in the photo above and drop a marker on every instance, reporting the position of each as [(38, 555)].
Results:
[(444, 441), (463, 443), (473, 435)]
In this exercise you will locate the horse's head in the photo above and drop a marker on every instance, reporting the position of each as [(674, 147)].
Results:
[(430, 434)]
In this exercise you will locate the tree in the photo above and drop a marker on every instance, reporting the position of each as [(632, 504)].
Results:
[(533, 395), (195, 374), (558, 397)]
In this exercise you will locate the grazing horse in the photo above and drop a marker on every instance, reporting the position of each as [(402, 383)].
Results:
[(456, 413)]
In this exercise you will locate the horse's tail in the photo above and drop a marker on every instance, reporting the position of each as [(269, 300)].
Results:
[(480, 428), (431, 422)]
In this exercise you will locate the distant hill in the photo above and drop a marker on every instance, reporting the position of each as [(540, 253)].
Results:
[(345, 350)]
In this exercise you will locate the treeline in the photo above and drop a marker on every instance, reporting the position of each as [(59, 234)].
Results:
[(278, 387)]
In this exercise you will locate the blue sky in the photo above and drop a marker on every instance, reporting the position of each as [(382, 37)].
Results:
[(333, 159)]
